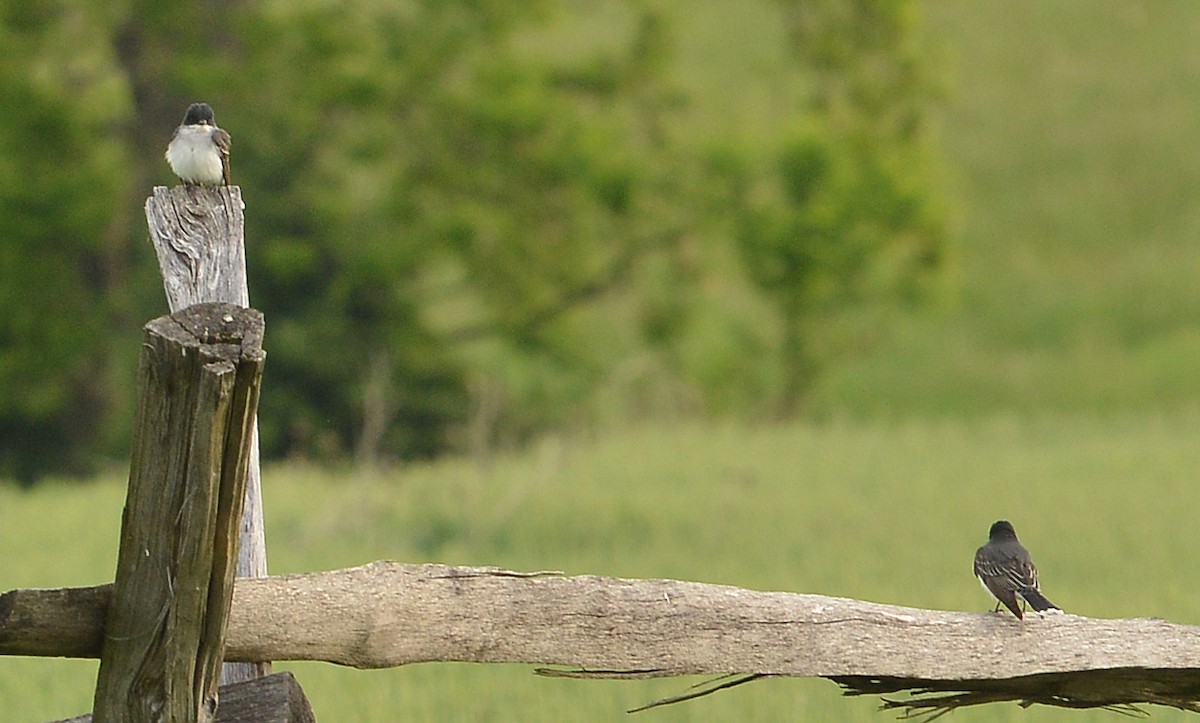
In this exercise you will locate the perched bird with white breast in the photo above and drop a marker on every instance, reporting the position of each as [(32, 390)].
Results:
[(199, 151)]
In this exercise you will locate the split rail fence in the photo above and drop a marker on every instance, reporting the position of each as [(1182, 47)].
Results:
[(188, 628)]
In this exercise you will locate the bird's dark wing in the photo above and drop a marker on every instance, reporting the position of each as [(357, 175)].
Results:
[(1005, 575), (999, 588), (221, 140), (1015, 572)]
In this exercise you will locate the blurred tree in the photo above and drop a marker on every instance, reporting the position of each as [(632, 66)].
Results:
[(62, 100), (840, 213), (445, 210), (460, 228)]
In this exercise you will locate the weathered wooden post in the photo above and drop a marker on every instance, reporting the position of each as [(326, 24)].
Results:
[(164, 643), (198, 234)]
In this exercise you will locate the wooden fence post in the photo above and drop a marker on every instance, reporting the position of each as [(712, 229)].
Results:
[(198, 382), (198, 234)]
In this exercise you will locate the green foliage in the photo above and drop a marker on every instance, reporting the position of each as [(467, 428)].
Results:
[(462, 230), (61, 97), (838, 213)]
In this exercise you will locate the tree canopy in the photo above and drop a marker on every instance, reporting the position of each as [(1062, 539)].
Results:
[(467, 221)]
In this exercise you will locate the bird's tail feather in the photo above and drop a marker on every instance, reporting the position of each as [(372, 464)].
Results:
[(1037, 601)]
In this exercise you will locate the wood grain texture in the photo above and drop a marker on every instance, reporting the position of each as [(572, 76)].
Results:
[(387, 614), (198, 233), (198, 380)]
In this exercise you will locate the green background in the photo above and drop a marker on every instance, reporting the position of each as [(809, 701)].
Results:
[(1056, 388)]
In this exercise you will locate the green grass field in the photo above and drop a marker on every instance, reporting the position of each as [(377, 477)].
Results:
[(1069, 143), (882, 511), (1057, 388)]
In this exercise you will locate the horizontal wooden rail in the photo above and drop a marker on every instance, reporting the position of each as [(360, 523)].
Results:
[(387, 614)]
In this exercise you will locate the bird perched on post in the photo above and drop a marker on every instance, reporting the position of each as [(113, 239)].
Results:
[(1006, 570), (199, 151)]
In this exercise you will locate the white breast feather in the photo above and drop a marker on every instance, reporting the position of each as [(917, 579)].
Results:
[(193, 156)]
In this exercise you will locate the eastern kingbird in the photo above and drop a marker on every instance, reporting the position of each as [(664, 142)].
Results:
[(1005, 568), (199, 150)]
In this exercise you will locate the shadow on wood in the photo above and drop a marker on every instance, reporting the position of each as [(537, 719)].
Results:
[(274, 699), (1117, 689)]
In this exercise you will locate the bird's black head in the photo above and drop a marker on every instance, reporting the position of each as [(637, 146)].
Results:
[(1002, 530), (199, 113)]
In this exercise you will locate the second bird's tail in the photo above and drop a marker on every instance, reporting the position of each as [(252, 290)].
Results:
[(1037, 600)]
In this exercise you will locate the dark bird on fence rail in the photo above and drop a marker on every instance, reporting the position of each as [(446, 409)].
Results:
[(1007, 571), (199, 150)]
